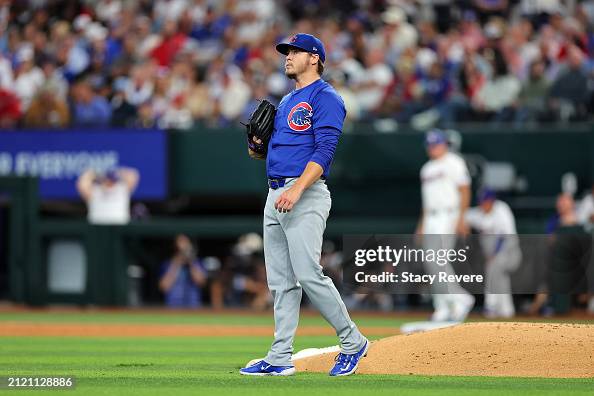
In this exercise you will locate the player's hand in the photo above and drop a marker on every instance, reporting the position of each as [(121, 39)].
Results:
[(288, 199), (256, 140)]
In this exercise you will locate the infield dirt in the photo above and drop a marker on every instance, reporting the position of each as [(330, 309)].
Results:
[(479, 349)]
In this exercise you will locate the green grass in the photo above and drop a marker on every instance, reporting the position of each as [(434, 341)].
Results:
[(209, 365)]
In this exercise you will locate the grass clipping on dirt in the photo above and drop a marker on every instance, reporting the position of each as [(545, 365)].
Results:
[(479, 349)]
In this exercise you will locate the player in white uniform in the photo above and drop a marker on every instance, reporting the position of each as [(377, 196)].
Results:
[(108, 195), (499, 240), (445, 188)]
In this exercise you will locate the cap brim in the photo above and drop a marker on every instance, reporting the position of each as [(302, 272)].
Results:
[(284, 48)]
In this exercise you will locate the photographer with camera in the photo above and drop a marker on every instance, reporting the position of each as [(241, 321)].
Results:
[(183, 276)]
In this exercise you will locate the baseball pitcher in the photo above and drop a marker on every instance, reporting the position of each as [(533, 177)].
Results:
[(305, 132)]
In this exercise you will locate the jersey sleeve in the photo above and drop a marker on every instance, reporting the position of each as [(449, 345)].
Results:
[(328, 111), (328, 118), (460, 172)]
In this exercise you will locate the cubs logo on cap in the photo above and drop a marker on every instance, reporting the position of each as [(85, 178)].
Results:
[(299, 118), (305, 42)]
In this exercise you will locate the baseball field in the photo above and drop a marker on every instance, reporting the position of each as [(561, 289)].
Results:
[(161, 353)]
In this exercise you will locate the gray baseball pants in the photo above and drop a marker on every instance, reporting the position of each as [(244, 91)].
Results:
[(292, 250), (498, 290)]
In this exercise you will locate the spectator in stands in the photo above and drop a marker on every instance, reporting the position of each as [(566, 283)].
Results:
[(88, 108), (47, 109), (28, 77), (54, 78), (171, 43), (108, 194), (198, 97), (144, 117), (519, 48), (371, 88), (569, 92), (76, 56), (399, 33), (107, 42), (177, 115), (471, 34), (401, 91), (495, 99), (183, 277), (470, 79), (121, 57), (169, 10), (10, 109), (531, 103), (234, 97), (139, 87), (130, 93), (162, 94), (123, 114), (6, 73), (432, 90)]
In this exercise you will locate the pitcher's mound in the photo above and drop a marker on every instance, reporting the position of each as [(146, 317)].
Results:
[(479, 349)]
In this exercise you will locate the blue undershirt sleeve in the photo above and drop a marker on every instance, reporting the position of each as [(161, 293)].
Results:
[(326, 139), (328, 118)]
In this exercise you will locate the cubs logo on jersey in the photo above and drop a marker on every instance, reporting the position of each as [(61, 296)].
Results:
[(299, 118)]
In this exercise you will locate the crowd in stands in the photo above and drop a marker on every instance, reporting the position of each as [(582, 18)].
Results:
[(172, 63)]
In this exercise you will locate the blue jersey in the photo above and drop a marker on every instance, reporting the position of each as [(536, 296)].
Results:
[(307, 126)]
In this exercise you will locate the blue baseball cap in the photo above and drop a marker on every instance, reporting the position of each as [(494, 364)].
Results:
[(486, 194), (436, 136), (305, 42)]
